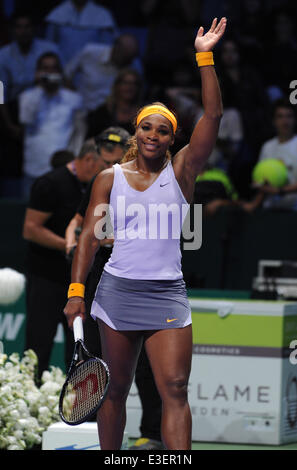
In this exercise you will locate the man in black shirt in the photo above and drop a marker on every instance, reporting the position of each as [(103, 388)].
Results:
[(54, 199)]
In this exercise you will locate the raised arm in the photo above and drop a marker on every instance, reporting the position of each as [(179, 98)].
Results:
[(192, 158)]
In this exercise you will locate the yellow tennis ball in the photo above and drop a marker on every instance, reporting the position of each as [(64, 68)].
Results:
[(270, 171)]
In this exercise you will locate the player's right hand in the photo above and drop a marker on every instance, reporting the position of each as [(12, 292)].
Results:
[(75, 307)]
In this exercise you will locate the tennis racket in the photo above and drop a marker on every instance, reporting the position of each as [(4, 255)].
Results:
[(86, 383)]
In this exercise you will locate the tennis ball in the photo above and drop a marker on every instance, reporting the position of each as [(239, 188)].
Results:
[(270, 171), (12, 285)]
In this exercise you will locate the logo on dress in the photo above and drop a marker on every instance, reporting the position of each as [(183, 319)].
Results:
[(164, 184), (171, 319)]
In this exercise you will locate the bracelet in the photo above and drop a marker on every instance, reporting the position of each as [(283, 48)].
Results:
[(204, 58), (76, 290)]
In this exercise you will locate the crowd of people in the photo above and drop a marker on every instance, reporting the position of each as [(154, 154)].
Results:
[(72, 68)]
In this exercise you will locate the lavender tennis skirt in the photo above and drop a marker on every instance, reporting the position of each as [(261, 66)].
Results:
[(129, 304)]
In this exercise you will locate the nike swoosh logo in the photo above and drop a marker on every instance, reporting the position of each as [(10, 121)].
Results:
[(161, 185), (171, 319)]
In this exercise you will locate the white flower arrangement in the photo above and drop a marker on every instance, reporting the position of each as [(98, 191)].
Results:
[(26, 411)]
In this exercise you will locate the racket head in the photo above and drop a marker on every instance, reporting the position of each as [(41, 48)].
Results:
[(85, 388)]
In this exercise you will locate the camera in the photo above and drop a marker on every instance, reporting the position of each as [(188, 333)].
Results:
[(51, 78)]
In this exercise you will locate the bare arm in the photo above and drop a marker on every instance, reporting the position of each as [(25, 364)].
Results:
[(289, 188), (35, 231), (89, 241), (70, 236), (191, 159), (269, 189)]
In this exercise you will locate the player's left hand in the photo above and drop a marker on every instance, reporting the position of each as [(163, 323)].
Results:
[(206, 42)]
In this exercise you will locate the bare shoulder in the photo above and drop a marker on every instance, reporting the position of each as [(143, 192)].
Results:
[(105, 178), (102, 186)]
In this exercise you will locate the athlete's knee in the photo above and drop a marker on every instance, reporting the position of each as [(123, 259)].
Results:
[(176, 388), (118, 391)]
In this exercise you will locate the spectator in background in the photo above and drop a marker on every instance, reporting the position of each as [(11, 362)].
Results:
[(120, 107), (95, 68), (52, 117), (171, 26), (17, 72), (75, 23), (18, 59), (230, 138), (61, 158), (243, 89), (128, 13), (186, 101), (38, 9), (4, 33), (250, 33), (181, 93), (282, 147), (53, 202), (214, 189), (280, 52)]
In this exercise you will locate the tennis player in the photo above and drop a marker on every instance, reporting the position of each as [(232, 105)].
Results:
[(141, 296)]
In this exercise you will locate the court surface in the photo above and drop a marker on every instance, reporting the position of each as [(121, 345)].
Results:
[(225, 446)]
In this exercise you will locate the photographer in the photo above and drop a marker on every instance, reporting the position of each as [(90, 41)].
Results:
[(53, 119)]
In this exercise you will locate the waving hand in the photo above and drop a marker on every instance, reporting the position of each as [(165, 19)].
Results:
[(206, 42)]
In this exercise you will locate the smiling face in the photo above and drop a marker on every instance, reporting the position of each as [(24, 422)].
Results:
[(154, 135)]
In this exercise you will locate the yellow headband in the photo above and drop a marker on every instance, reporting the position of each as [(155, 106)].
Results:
[(156, 109)]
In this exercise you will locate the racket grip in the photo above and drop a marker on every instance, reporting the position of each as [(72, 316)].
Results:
[(78, 330)]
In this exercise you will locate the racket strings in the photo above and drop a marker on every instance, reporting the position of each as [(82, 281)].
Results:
[(84, 390)]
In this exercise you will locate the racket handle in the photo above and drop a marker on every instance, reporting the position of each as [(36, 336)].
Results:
[(78, 330)]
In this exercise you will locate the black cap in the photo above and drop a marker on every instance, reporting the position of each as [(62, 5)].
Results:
[(115, 135)]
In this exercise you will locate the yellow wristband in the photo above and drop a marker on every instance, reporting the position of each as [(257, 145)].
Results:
[(204, 58), (76, 290)]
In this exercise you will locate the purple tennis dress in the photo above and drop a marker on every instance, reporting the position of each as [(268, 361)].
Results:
[(142, 286)]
